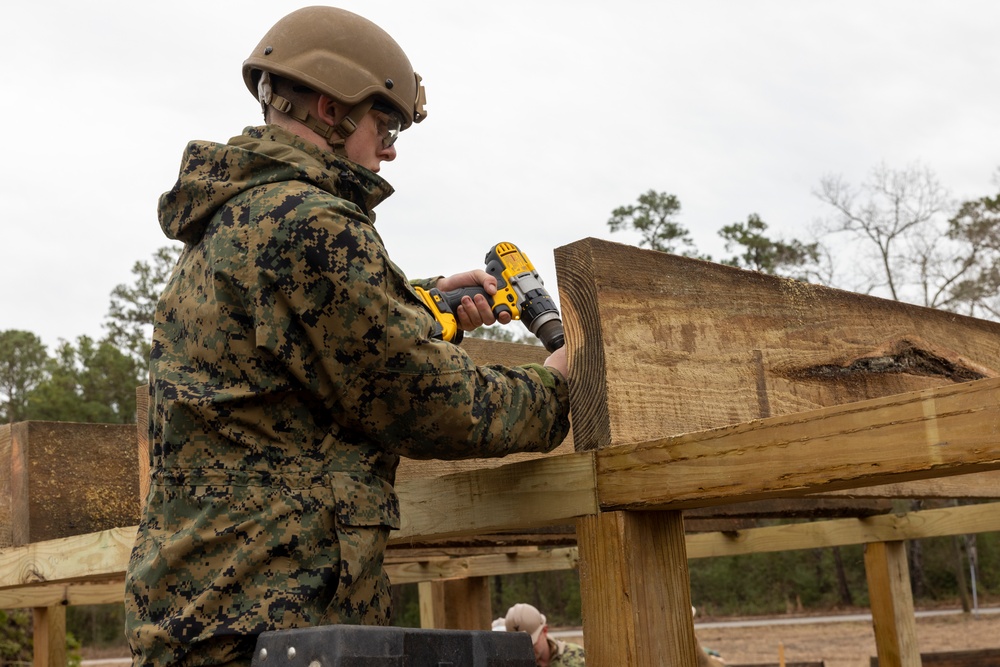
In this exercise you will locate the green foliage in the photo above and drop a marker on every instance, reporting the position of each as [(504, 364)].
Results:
[(97, 625), (22, 368), (976, 226), (130, 315), (15, 636), (555, 594), (653, 218), (91, 382), (792, 259)]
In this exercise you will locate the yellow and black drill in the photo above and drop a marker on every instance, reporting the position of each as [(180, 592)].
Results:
[(520, 292)]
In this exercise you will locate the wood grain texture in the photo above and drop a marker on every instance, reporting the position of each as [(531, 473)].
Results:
[(48, 636), (539, 560), (891, 604), (63, 479), (93, 556), (663, 345), (529, 494), (951, 429), (964, 520), (109, 591), (635, 591)]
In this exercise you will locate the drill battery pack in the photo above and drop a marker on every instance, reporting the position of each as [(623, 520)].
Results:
[(370, 646)]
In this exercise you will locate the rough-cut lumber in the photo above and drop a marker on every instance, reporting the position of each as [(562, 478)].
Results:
[(541, 560), (633, 581), (109, 591), (49, 636), (457, 604), (964, 520), (528, 494), (891, 604), (94, 556), (59, 479), (974, 486), (663, 345), (947, 430), (798, 508)]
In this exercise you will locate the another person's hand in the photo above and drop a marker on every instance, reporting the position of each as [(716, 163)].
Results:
[(474, 312), (558, 361)]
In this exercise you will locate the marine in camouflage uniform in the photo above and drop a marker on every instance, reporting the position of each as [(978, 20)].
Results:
[(292, 365), (565, 654)]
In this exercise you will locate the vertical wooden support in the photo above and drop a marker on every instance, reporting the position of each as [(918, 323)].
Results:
[(891, 604), (49, 627), (455, 604), (635, 590), (431, 599)]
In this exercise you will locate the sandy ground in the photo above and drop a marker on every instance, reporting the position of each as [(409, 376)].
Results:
[(837, 644), (846, 644)]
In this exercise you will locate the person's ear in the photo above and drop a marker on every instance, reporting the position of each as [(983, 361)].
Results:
[(326, 109)]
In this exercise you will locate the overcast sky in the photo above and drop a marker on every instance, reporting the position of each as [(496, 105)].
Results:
[(543, 116)]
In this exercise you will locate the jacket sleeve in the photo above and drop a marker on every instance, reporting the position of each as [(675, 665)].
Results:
[(358, 335)]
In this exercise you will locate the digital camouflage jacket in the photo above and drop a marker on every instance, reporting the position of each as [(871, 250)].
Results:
[(292, 364), (564, 654)]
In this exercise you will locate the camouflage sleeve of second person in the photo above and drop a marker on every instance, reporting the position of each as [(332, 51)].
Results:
[(370, 356)]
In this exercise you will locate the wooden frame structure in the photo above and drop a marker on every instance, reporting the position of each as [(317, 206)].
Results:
[(693, 386)]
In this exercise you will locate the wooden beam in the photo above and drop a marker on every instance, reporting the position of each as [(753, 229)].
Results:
[(544, 560), (663, 345), (49, 636), (964, 520), (892, 604), (972, 486), (94, 556), (59, 479), (520, 495), (635, 591), (110, 591), (946, 430)]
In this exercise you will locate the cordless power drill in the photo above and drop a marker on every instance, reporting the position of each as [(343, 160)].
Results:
[(520, 292)]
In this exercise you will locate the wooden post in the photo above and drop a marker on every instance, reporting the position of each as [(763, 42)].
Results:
[(49, 628), (455, 604), (891, 604), (634, 588)]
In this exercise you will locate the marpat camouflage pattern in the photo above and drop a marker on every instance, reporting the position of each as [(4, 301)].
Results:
[(292, 365)]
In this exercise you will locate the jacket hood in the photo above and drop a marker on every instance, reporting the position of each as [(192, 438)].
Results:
[(212, 173)]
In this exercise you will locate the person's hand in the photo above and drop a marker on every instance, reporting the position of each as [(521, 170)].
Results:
[(559, 361), (473, 312)]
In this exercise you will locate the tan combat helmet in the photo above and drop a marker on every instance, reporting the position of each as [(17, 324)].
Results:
[(341, 54)]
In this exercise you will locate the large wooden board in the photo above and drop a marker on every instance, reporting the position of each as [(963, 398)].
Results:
[(59, 479), (662, 345)]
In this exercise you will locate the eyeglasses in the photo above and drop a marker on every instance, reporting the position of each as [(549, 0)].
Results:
[(390, 123)]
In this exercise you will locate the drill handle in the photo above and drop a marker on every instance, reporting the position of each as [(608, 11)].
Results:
[(454, 299)]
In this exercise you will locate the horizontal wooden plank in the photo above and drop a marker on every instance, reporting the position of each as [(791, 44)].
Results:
[(91, 556), (964, 520), (542, 560), (111, 591), (933, 432), (521, 495), (972, 486)]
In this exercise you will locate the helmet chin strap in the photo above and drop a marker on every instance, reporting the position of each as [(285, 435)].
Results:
[(335, 135)]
